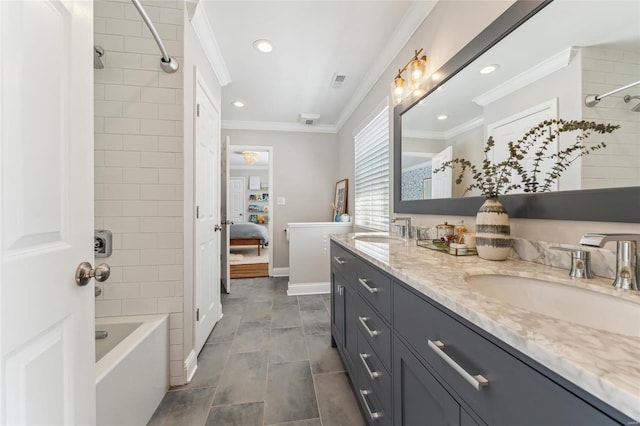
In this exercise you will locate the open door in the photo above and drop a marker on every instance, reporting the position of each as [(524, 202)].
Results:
[(442, 183), (47, 364), (225, 271)]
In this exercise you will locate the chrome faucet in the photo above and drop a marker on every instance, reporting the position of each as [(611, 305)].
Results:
[(405, 228), (626, 257)]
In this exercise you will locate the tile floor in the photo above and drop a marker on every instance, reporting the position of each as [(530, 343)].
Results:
[(269, 361)]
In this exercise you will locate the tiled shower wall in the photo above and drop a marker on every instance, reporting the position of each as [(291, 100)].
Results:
[(139, 164)]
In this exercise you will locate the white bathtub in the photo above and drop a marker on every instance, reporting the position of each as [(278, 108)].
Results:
[(132, 368)]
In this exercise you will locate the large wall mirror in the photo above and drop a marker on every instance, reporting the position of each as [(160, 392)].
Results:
[(549, 55)]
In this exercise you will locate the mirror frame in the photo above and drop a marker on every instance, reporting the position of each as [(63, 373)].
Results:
[(608, 205)]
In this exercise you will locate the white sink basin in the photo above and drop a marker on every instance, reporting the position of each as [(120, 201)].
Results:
[(573, 304)]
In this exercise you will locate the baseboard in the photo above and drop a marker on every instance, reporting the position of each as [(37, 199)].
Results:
[(191, 365), (308, 288), (280, 272)]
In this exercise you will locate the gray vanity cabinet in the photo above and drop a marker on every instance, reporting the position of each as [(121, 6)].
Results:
[(413, 362)]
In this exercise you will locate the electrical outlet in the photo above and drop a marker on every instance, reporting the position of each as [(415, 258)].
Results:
[(102, 243)]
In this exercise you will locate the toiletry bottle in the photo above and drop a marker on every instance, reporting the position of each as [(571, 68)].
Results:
[(460, 229)]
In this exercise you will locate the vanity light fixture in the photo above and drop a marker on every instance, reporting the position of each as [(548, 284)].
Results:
[(417, 72), (263, 46), (250, 157), (489, 69), (237, 104)]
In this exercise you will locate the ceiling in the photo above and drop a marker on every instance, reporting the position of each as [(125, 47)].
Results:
[(312, 41)]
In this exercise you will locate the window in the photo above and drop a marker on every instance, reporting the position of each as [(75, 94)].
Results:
[(372, 173)]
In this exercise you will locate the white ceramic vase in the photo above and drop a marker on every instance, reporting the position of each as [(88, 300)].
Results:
[(493, 240)]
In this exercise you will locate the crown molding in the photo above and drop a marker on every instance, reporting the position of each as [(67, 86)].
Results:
[(412, 19), (543, 69), (204, 32), (277, 126), (464, 127)]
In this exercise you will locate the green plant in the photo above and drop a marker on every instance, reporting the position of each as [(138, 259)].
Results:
[(494, 179)]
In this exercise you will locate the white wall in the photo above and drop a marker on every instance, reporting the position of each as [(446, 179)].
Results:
[(139, 162), (304, 172), (449, 27)]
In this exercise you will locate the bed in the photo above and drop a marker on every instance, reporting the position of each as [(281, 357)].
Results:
[(248, 234)]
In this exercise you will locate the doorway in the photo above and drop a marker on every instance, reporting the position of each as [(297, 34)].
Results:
[(250, 203)]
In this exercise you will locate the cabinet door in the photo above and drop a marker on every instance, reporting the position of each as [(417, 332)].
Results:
[(419, 399), (338, 290)]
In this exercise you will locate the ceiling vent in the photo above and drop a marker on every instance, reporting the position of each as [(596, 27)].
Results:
[(309, 119), (337, 80)]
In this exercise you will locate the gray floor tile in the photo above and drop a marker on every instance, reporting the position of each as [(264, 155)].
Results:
[(287, 344), (311, 302), (324, 358), (237, 415), (251, 337), (337, 402), (233, 306), (281, 300), (243, 380), (316, 322), (290, 393), (286, 317), (183, 407), (308, 422), (211, 362), (225, 329), (257, 311)]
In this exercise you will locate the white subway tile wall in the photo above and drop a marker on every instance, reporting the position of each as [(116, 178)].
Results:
[(617, 164), (139, 164)]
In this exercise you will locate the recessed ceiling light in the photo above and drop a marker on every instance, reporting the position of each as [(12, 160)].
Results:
[(237, 104), (489, 69), (263, 46), (442, 117), (436, 76)]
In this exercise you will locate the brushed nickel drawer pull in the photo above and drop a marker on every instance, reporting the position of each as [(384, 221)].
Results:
[(363, 321), (363, 394), (477, 381), (373, 374), (339, 260), (365, 284)]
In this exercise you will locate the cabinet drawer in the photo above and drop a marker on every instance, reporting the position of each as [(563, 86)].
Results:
[(372, 371), (515, 393), (375, 287), (376, 332), (375, 411), (343, 261)]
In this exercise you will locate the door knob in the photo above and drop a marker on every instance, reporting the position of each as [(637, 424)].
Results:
[(217, 228), (84, 273)]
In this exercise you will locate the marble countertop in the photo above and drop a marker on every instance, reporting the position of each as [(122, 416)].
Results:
[(605, 364)]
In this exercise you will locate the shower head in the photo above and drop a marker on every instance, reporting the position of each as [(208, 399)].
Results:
[(628, 98), (98, 53)]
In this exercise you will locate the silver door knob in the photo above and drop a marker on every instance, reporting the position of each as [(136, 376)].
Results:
[(217, 228), (84, 273)]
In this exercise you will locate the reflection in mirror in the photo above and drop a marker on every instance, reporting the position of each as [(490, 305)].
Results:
[(543, 70)]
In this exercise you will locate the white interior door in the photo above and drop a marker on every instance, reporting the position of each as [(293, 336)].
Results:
[(225, 269), (207, 197), (47, 340), (441, 183), (237, 196)]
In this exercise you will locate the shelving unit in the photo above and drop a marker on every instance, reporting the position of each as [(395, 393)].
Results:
[(258, 206)]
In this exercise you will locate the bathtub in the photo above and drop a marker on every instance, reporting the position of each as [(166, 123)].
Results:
[(132, 368)]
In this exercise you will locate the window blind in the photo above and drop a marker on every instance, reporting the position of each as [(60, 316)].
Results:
[(372, 174)]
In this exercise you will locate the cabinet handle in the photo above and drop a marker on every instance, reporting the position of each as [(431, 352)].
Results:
[(339, 260), (340, 290), (372, 333), (363, 394), (477, 381), (373, 374), (365, 284)]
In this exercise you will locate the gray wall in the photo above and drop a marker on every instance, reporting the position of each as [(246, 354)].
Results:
[(304, 172)]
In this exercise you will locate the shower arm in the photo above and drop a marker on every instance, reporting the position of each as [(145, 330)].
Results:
[(167, 63), (592, 100)]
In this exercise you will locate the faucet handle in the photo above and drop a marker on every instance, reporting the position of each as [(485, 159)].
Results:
[(580, 262)]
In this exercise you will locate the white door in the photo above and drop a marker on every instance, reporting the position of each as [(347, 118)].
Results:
[(47, 340), (207, 197), (237, 196), (225, 269), (441, 182)]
